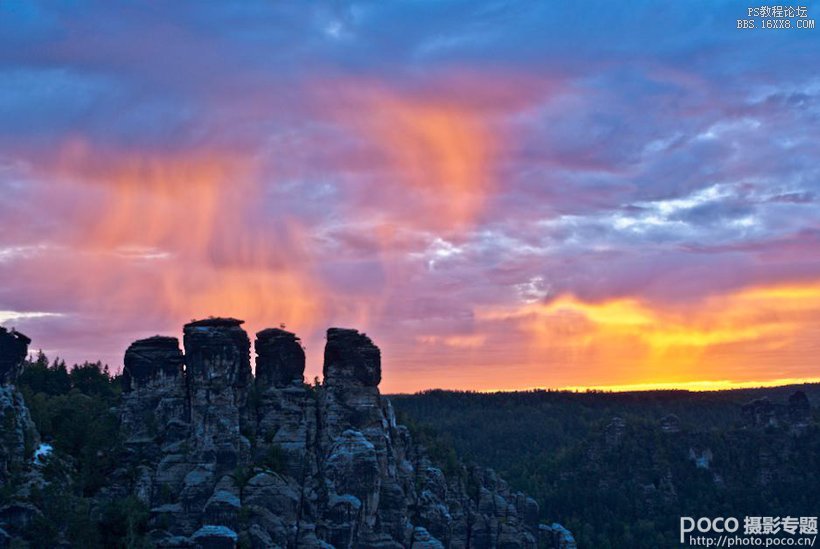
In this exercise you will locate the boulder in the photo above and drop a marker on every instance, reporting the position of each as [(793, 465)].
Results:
[(352, 467), (422, 539), (214, 537)]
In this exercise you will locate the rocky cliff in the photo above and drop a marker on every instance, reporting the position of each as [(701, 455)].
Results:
[(19, 438), (223, 458)]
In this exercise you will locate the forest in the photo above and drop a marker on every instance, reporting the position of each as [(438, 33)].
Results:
[(619, 469)]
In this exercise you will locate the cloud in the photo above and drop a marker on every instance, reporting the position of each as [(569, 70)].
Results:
[(627, 341), (441, 175)]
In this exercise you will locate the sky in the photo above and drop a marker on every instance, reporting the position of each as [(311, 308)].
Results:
[(502, 194)]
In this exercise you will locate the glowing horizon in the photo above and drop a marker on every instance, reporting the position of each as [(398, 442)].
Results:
[(692, 386), (495, 203)]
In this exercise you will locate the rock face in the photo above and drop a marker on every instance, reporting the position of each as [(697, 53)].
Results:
[(18, 437), (760, 413), (223, 458), (351, 359), (763, 413), (799, 409), (151, 362), (217, 358), (701, 457), (670, 424), (615, 431), (280, 358), (13, 349), (154, 412)]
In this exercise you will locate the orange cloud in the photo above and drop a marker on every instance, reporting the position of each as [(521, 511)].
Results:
[(440, 150), (456, 341), (750, 335), (437, 155), (155, 200), (179, 235), (429, 163)]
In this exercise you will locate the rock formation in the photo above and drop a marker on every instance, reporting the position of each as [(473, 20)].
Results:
[(18, 439), (701, 457), (280, 358), (13, 349), (615, 431), (222, 458), (151, 363), (763, 413), (670, 424), (759, 413), (799, 409)]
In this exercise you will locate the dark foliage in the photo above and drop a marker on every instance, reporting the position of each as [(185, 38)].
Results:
[(629, 489), (73, 411)]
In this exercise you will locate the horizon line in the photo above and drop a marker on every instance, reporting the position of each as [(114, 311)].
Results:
[(690, 386)]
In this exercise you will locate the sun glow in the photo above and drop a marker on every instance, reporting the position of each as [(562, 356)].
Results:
[(635, 344), (716, 385)]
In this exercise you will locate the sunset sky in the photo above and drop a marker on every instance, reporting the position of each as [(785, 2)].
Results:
[(502, 194)]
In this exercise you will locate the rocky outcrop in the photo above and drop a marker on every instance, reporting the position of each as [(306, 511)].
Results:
[(759, 413), (221, 457), (19, 440), (285, 416), (615, 432), (154, 395), (794, 416), (280, 358), (670, 424), (155, 420), (701, 457), (556, 536), (151, 362), (799, 409), (13, 349), (217, 359), (351, 359), (18, 437), (186, 422)]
